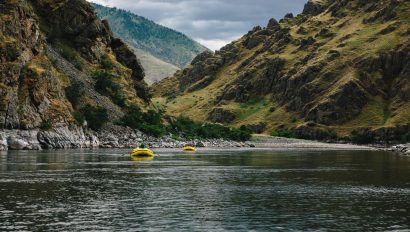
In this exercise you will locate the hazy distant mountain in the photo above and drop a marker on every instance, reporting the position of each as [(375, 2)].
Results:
[(159, 43)]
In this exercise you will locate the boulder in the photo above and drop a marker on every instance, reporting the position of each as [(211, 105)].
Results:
[(63, 138), (200, 144), (15, 143), (273, 24), (289, 16), (313, 8), (3, 142), (306, 42)]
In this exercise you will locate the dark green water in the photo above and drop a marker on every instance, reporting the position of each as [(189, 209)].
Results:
[(209, 191)]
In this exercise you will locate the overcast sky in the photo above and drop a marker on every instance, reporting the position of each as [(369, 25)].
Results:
[(213, 23)]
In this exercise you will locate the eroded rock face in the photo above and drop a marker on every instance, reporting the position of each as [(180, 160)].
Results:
[(65, 137), (126, 57), (76, 21), (221, 115), (29, 90)]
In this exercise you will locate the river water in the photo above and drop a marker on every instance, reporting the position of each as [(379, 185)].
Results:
[(103, 190)]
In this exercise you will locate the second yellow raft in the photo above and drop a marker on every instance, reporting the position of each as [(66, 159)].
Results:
[(189, 148)]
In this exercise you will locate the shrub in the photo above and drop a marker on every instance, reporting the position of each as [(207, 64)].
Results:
[(286, 133), (405, 138), (190, 129), (133, 117), (149, 122), (154, 130), (362, 137), (70, 55), (106, 86), (184, 126), (46, 125), (78, 64), (96, 116), (74, 92), (143, 92), (106, 62), (79, 118)]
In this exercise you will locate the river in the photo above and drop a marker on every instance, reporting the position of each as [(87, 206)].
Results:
[(103, 190)]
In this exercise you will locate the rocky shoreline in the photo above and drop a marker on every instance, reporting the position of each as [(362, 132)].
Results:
[(401, 149), (109, 137), (73, 137)]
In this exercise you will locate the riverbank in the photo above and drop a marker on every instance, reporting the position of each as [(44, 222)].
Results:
[(122, 137)]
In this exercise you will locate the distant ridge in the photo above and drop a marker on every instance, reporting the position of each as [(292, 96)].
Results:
[(175, 49)]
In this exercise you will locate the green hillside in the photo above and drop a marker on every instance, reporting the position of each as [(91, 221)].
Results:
[(339, 70)]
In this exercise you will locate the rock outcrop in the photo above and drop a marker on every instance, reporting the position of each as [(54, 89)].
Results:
[(221, 115)]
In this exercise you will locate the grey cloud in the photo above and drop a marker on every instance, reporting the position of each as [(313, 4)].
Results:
[(212, 22)]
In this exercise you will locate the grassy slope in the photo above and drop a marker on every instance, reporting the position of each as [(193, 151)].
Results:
[(155, 69), (357, 40)]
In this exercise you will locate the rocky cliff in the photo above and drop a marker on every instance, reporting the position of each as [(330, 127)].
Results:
[(340, 69), (50, 55)]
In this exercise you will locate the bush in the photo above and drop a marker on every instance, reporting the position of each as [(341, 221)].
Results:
[(149, 122), (78, 64), (79, 118), (70, 55), (106, 86), (190, 130), (405, 138), (133, 117), (74, 92), (106, 63), (154, 130), (96, 116), (286, 133), (143, 92), (362, 137), (46, 125)]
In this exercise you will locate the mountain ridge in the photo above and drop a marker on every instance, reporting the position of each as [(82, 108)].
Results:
[(161, 42)]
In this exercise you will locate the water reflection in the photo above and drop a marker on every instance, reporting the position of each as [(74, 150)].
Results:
[(206, 191), (141, 159)]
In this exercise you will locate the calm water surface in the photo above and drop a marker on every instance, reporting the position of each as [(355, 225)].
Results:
[(104, 190)]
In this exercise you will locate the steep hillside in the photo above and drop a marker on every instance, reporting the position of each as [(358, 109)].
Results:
[(339, 69), (61, 64), (163, 43)]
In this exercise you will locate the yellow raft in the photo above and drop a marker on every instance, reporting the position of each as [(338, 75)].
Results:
[(142, 152), (189, 148)]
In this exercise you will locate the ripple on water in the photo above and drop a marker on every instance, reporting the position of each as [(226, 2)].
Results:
[(213, 191)]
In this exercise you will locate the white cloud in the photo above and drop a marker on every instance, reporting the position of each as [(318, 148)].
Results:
[(215, 44), (213, 23)]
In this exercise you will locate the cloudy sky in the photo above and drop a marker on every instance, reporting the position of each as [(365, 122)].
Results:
[(213, 23)]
